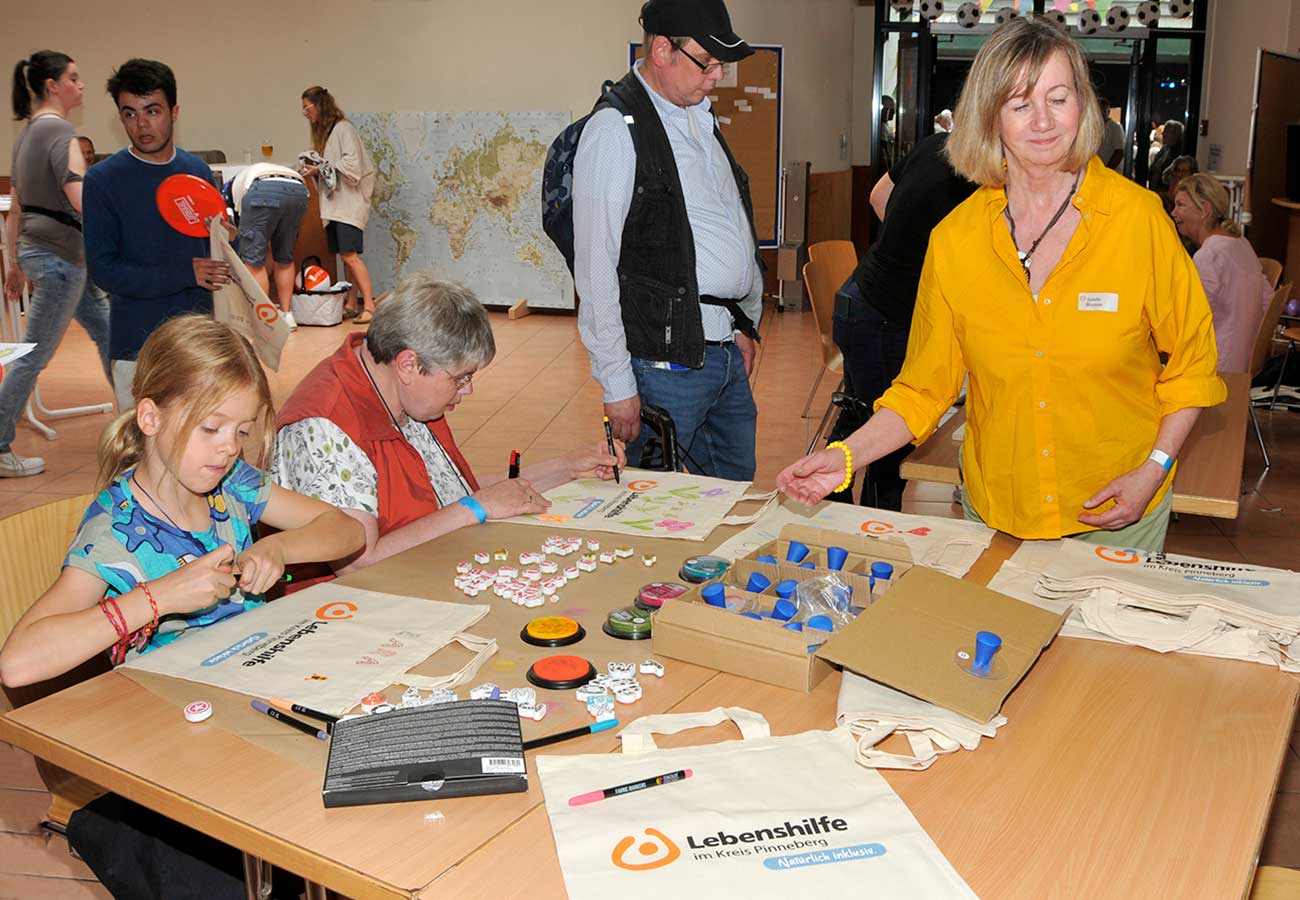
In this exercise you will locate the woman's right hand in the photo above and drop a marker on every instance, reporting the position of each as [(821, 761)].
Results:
[(511, 497), (197, 584), (15, 281), (810, 479)]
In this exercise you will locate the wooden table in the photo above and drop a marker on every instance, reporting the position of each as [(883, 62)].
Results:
[(1291, 265), (1092, 789), (1208, 482)]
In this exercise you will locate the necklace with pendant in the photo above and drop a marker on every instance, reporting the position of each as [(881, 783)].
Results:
[(1027, 256)]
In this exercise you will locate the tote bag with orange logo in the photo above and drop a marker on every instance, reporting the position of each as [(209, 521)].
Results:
[(325, 647), (762, 817)]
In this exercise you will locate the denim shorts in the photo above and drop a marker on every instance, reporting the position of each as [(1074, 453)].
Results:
[(269, 215)]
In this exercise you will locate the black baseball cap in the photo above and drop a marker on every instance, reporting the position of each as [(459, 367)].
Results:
[(704, 20)]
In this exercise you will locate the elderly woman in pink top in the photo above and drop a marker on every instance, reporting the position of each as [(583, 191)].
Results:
[(1229, 269)]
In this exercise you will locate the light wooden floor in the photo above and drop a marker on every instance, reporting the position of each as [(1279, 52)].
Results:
[(538, 396)]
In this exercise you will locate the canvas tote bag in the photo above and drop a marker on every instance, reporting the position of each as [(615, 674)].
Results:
[(244, 306), (325, 647), (762, 817)]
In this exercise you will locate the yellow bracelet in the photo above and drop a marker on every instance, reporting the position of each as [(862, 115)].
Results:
[(848, 465)]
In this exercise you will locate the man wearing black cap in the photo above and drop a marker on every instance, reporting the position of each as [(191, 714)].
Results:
[(665, 256)]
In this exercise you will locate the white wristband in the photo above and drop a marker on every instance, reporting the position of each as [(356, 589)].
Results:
[(1162, 459)]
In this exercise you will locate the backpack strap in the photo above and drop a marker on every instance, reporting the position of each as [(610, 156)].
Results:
[(610, 98)]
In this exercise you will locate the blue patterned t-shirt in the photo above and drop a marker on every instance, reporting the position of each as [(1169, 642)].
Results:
[(121, 544)]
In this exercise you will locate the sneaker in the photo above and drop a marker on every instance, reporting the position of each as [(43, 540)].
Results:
[(14, 466), (288, 317)]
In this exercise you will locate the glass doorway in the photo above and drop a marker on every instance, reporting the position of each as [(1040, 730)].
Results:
[(1148, 75)]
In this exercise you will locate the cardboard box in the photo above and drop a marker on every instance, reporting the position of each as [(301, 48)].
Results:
[(863, 551), (910, 639), (689, 629)]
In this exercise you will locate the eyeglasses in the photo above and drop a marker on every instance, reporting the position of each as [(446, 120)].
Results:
[(462, 381), (712, 68)]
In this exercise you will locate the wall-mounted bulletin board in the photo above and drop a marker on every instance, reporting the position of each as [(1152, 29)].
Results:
[(748, 105)]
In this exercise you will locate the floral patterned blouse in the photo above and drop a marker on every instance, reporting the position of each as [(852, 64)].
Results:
[(316, 458)]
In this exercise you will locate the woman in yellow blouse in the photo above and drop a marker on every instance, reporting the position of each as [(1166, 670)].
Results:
[(1055, 287)]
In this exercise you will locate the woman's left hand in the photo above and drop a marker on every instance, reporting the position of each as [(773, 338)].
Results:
[(260, 566), (1131, 492), (594, 461)]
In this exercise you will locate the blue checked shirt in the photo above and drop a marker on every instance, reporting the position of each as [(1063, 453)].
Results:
[(604, 173)]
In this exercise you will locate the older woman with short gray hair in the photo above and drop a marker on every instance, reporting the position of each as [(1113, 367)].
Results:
[(366, 430)]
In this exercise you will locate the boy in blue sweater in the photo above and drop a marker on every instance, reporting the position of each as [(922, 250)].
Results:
[(151, 272)]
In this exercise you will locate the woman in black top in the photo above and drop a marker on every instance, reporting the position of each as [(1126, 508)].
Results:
[(873, 310)]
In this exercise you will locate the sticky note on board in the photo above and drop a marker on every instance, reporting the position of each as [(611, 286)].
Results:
[(753, 89), (724, 120)]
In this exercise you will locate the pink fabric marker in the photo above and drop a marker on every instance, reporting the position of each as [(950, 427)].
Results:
[(631, 787)]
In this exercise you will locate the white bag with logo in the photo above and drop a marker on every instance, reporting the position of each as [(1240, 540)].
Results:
[(325, 647), (762, 817), (244, 306)]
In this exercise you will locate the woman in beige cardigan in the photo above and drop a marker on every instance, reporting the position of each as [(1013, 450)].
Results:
[(346, 182)]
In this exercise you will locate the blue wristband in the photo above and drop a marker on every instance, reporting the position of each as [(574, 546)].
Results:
[(475, 507), (1162, 459)]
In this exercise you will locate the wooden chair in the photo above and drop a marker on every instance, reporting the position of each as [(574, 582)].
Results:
[(1275, 883), (821, 284), (33, 545), (1272, 271), (840, 258), (1259, 355)]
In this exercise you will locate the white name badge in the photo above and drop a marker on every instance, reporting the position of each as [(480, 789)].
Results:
[(1099, 302)]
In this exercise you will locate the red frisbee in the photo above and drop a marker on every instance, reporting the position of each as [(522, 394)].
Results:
[(186, 200)]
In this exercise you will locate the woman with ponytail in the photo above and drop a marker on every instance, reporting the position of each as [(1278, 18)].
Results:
[(43, 237), (168, 544), (346, 182)]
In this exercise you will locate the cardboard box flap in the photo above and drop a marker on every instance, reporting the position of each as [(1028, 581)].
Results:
[(910, 639)]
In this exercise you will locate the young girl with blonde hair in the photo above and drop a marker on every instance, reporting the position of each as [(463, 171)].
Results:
[(167, 545)]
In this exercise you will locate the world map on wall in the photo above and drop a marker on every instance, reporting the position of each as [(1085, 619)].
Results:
[(459, 194)]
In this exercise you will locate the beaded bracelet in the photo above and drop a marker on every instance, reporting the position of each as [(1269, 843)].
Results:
[(848, 465), (117, 653), (142, 637), (118, 626)]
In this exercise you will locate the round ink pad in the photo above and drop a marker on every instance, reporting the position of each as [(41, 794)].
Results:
[(698, 569), (561, 673), (552, 631), (628, 624), (653, 595)]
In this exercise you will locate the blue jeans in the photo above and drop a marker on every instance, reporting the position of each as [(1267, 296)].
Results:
[(874, 349), (60, 292), (712, 408)]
